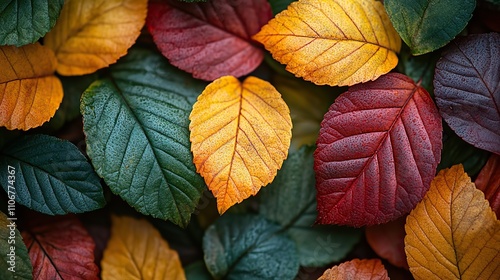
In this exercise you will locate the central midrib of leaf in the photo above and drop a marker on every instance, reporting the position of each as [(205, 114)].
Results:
[(238, 118)]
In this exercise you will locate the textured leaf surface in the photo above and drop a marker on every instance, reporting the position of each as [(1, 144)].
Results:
[(136, 125), (370, 269), (136, 250), (378, 149), (427, 25), (248, 247), (52, 175), (29, 92), (333, 42), (92, 34), (488, 180), (467, 89), (15, 258), (209, 40), (387, 240), (240, 135), (453, 233)]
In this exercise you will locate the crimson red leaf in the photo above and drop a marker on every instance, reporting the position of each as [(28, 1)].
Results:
[(377, 152), (488, 180), (211, 39), (388, 241), (467, 89)]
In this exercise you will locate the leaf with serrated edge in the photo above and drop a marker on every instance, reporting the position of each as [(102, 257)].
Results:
[(488, 180), (15, 258), (370, 269)]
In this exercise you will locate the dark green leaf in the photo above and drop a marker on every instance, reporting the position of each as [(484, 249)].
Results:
[(15, 262), (197, 271), (51, 176), (419, 68), (138, 138), (279, 5)]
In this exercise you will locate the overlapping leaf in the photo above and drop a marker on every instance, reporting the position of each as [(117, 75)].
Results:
[(333, 42), (357, 269), (93, 34), (240, 135), (467, 89), (377, 152), (29, 92), (488, 180), (15, 260), (387, 240), (212, 39)]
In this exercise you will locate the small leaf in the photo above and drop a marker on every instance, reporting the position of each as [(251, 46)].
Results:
[(248, 247), (488, 181), (15, 263), (136, 250), (387, 240), (378, 149), (209, 40), (93, 34), (453, 233), (52, 176), (197, 271), (419, 68), (240, 135), (357, 269), (467, 89), (29, 92), (333, 42), (280, 5)]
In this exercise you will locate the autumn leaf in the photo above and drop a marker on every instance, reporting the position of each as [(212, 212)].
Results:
[(240, 135), (29, 92), (15, 259), (92, 34), (453, 233), (488, 180), (333, 42), (387, 240), (136, 250), (357, 269)]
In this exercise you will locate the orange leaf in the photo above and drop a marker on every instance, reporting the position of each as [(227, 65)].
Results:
[(453, 233), (136, 250), (357, 269), (333, 42), (488, 180), (92, 34), (240, 135), (30, 94)]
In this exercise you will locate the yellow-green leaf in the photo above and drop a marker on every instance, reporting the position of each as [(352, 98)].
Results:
[(357, 269), (136, 250), (335, 42), (92, 34), (453, 233), (30, 94), (240, 135)]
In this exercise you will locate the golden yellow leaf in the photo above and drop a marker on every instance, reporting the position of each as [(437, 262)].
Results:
[(357, 269), (30, 94), (92, 34), (136, 250), (240, 135), (334, 42), (453, 233)]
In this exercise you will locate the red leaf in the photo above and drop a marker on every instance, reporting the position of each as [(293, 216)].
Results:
[(388, 241), (211, 39), (60, 248), (467, 89), (488, 180), (377, 152)]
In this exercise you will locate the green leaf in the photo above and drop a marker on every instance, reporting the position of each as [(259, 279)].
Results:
[(290, 201), (197, 271), (243, 246), (136, 124), (51, 176), (25, 21), (279, 5), (427, 25), (16, 263), (419, 68)]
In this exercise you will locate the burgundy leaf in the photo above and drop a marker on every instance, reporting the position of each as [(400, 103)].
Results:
[(377, 152), (467, 89), (211, 39), (488, 180), (388, 241)]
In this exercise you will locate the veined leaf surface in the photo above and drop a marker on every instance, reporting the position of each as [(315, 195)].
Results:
[(369, 269)]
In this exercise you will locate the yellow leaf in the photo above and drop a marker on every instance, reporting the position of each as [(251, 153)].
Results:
[(92, 34), (240, 135), (357, 269), (453, 233), (30, 94), (136, 250), (334, 42)]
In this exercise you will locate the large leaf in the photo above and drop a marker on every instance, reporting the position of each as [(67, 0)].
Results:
[(371, 269), (93, 34), (333, 42), (52, 175), (25, 21), (136, 125), (453, 233), (240, 135), (248, 247), (29, 92), (488, 180), (15, 259), (212, 39), (378, 149), (387, 240), (136, 250), (467, 89)]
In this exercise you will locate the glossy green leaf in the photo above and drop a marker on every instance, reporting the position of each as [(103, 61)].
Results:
[(279, 5), (248, 247), (291, 202), (51, 176), (136, 124), (427, 25), (15, 263), (419, 68), (25, 21)]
